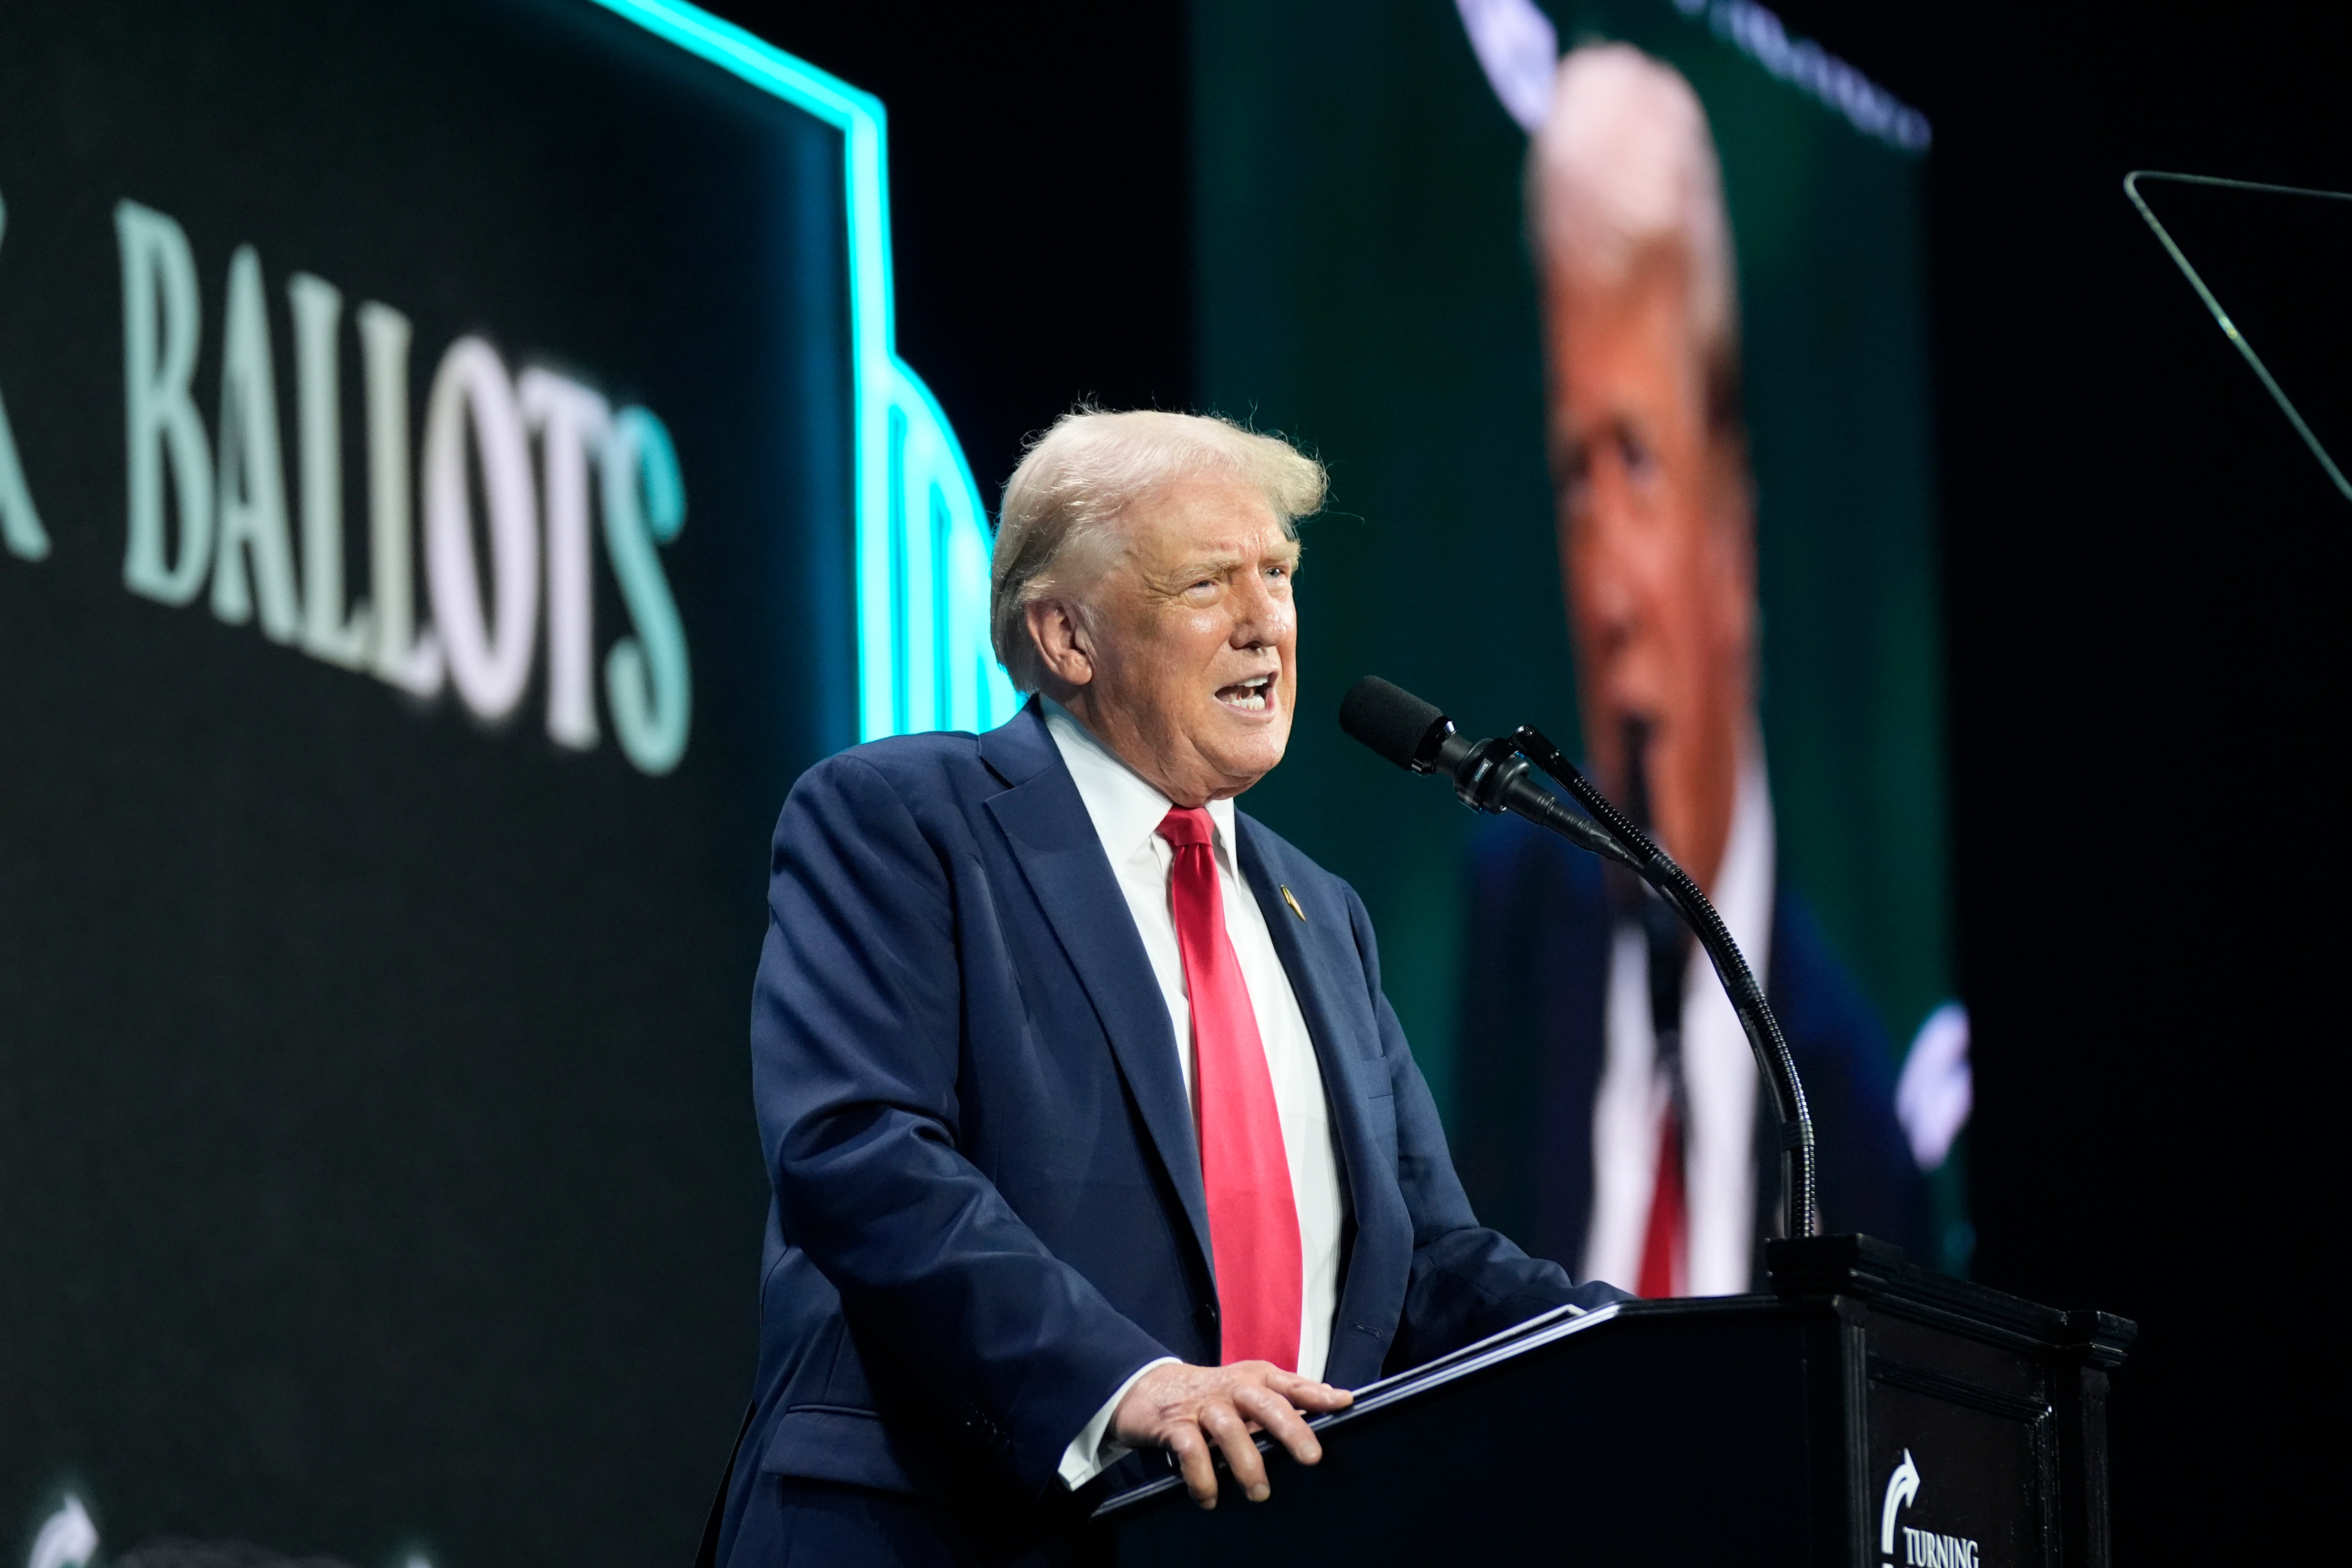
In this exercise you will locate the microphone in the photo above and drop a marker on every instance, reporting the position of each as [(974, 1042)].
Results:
[(1489, 775), (1493, 776)]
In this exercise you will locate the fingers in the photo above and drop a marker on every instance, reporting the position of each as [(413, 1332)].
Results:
[(1224, 1424), (1198, 1413), (1307, 1393), (1283, 1423), (1192, 1460)]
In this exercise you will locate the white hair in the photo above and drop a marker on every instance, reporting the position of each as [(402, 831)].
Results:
[(1624, 170), (1090, 469)]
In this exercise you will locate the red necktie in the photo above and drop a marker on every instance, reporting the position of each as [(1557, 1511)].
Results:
[(1667, 1242), (1253, 1216)]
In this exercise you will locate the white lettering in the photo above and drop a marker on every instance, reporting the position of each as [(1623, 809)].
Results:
[(572, 421), (482, 572), (20, 525), (68, 1538), (318, 382), (252, 505), (488, 656), (1926, 1548), (646, 677), (403, 656), (161, 320)]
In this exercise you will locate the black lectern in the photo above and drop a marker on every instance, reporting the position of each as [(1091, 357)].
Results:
[(1866, 1413)]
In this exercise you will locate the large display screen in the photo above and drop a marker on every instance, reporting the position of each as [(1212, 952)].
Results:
[(1372, 268), (454, 474)]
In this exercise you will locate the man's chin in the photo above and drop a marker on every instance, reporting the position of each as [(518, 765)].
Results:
[(1242, 766)]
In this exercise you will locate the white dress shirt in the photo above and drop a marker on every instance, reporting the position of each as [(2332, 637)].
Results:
[(1126, 812), (1718, 1079)]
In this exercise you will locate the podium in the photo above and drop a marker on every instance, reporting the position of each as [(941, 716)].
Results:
[(1866, 1413)]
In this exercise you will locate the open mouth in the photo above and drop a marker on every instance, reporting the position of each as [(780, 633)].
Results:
[(1254, 695)]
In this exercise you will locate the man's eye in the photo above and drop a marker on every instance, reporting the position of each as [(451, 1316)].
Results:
[(1576, 491), (1640, 463)]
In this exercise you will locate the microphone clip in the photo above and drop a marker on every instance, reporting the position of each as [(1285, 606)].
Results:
[(1491, 776)]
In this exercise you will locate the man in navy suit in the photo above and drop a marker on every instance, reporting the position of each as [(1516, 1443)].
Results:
[(1615, 1093), (1090, 1131)]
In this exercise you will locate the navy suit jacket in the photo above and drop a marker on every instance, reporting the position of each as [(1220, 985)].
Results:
[(1533, 1041), (988, 1205)]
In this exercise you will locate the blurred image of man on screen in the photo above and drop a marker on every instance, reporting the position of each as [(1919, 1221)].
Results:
[(1617, 1095), (1089, 1128)]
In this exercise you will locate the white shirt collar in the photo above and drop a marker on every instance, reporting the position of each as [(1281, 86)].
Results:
[(1743, 887), (1126, 810)]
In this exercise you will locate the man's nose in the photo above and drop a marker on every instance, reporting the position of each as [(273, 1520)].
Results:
[(1609, 601), (1262, 615), (1600, 574)]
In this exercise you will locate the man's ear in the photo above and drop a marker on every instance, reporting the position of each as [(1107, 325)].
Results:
[(1063, 645)]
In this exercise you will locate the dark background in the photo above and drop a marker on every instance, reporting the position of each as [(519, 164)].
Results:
[(2136, 610), (1039, 201), (2136, 606), (2142, 675), (376, 1162)]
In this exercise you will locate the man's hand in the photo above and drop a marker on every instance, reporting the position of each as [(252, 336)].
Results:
[(1184, 1409)]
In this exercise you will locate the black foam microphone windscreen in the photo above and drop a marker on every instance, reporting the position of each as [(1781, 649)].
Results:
[(1388, 719)]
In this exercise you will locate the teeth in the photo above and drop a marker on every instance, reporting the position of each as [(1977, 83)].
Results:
[(1249, 696)]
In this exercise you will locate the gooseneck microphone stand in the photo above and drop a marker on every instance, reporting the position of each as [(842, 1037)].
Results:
[(1493, 776)]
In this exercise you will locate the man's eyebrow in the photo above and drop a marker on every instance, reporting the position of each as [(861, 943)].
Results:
[(1221, 563), (1224, 564), (1286, 554)]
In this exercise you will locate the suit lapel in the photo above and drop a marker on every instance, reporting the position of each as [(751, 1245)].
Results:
[(1053, 839)]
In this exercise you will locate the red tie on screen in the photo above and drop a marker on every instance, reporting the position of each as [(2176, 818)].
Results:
[(1252, 1218), (1666, 1244)]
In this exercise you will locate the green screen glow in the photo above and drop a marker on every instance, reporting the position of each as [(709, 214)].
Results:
[(923, 655)]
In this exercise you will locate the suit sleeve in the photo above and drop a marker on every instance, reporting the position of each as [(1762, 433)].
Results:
[(1869, 1181), (856, 1038), (1467, 1281)]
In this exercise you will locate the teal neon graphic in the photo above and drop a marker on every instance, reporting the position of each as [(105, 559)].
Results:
[(923, 655)]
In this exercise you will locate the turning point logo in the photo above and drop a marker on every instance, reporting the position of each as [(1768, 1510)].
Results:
[(1921, 1548)]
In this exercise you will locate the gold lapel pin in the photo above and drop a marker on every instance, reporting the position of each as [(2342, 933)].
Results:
[(1292, 899)]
